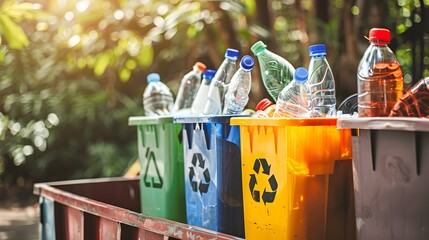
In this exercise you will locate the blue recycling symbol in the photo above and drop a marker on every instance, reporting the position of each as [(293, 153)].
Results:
[(268, 195), (198, 166)]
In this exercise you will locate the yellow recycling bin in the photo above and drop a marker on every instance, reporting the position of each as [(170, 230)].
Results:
[(293, 187)]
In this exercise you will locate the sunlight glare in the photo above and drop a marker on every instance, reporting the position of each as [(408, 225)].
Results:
[(162, 9), (159, 21), (42, 26), (37, 6), (27, 150), (69, 16), (133, 47), (73, 41), (129, 14), (119, 14), (82, 5), (93, 35)]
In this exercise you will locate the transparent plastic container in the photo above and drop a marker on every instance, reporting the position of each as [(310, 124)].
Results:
[(292, 101), (201, 96), (157, 97), (321, 83), (276, 71), (237, 96), (188, 87), (219, 85), (415, 103), (380, 80)]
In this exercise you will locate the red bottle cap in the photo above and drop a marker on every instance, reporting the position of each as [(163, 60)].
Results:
[(264, 103), (380, 35), (201, 66)]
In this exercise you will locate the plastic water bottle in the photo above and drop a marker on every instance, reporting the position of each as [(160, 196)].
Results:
[(201, 96), (380, 81), (276, 71), (321, 83), (414, 103), (264, 109), (157, 97), (188, 87), (237, 96), (220, 81), (292, 101)]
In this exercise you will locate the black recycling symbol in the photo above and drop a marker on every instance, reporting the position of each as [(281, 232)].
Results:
[(202, 186), (150, 156), (268, 195)]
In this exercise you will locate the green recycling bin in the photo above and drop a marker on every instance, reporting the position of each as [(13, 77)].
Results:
[(160, 152)]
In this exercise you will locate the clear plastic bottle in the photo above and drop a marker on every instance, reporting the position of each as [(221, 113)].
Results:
[(380, 81), (201, 96), (237, 96), (264, 109), (415, 102), (188, 87), (292, 101), (276, 71), (220, 81), (157, 97), (321, 83)]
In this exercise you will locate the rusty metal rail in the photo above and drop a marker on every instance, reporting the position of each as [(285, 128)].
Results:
[(107, 208)]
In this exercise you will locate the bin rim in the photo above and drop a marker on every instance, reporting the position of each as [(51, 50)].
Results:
[(278, 122), (206, 118), (149, 120), (385, 123)]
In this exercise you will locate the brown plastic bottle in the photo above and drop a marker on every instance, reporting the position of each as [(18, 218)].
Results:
[(415, 103), (380, 80)]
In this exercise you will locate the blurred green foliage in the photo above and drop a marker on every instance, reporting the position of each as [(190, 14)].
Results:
[(72, 72)]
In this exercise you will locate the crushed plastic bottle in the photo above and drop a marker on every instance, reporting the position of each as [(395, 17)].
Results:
[(276, 71), (188, 87), (220, 81), (201, 96), (237, 96), (292, 101), (157, 97), (264, 109), (321, 83), (415, 102), (380, 80)]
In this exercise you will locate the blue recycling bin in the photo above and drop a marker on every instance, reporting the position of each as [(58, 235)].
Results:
[(212, 165)]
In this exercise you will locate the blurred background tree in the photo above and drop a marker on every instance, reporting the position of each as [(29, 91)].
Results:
[(72, 72)]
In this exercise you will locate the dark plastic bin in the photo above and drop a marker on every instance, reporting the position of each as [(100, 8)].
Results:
[(391, 177), (214, 198), (105, 209)]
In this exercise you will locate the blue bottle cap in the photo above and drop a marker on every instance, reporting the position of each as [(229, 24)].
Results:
[(300, 75), (209, 74), (247, 63), (231, 54), (317, 49), (153, 77)]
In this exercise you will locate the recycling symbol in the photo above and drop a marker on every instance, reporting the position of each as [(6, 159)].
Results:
[(198, 167), (150, 156), (268, 195)]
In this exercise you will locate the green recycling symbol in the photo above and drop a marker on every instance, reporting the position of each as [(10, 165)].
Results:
[(268, 195)]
